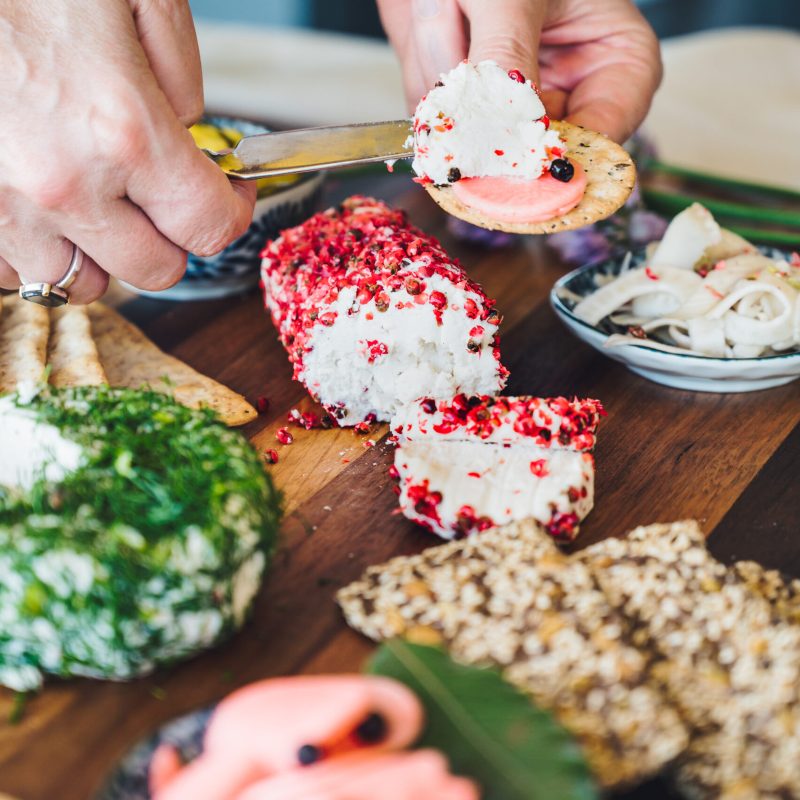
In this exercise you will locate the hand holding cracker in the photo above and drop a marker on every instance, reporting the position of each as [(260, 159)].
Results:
[(597, 64)]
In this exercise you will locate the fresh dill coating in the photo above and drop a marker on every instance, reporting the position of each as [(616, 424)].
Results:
[(152, 549)]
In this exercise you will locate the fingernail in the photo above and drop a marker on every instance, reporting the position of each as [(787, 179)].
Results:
[(427, 8)]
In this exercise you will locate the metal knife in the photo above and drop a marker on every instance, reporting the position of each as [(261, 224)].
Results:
[(310, 149)]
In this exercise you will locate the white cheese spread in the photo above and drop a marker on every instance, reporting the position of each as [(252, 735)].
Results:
[(482, 121), (30, 450)]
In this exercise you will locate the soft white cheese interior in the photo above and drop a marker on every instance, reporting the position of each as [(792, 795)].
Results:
[(481, 122), (495, 481), (30, 450), (380, 361)]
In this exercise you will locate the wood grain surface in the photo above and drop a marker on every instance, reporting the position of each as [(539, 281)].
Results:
[(731, 461)]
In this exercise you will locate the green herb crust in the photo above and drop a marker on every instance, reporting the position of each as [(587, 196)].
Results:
[(150, 551)]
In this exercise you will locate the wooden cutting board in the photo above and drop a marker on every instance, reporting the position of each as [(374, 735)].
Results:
[(731, 461)]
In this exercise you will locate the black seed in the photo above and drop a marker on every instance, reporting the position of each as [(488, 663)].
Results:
[(309, 754), (454, 175), (372, 730), (562, 170), (437, 84)]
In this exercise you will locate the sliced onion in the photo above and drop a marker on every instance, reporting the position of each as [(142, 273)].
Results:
[(677, 282)]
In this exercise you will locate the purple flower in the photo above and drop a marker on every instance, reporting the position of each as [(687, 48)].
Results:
[(580, 246), (466, 232), (645, 227)]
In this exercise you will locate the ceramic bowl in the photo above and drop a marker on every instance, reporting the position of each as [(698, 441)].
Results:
[(236, 268), (681, 371), (129, 780)]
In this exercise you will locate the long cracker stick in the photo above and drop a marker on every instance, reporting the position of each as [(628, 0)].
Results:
[(71, 352), (24, 329)]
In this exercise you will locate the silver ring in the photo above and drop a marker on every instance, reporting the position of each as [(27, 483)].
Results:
[(53, 294)]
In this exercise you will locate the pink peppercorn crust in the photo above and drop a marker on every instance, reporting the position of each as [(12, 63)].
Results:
[(544, 421), (396, 277), (472, 463)]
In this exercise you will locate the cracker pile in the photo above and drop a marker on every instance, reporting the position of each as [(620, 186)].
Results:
[(647, 649), (508, 597), (94, 345), (730, 632)]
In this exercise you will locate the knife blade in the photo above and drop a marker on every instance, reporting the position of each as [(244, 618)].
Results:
[(310, 149)]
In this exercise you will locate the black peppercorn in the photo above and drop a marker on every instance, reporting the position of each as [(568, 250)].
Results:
[(454, 174), (309, 754), (372, 730), (562, 170)]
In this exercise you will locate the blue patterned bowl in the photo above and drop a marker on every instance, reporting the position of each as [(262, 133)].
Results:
[(236, 268)]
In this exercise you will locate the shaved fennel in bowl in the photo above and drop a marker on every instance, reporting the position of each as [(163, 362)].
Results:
[(704, 291)]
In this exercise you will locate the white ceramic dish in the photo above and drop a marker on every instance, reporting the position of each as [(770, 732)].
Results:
[(681, 371)]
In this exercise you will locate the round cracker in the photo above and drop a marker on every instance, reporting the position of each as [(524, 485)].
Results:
[(610, 176)]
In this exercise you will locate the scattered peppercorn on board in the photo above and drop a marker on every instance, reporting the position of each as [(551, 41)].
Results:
[(730, 461)]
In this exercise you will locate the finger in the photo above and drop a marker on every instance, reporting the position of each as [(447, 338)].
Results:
[(614, 99), (506, 31), (167, 35), (441, 43), (46, 261), (8, 275), (128, 246), (396, 20), (555, 102), (186, 196)]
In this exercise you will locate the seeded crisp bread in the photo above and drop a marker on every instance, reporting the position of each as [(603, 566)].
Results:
[(71, 351), (24, 330), (507, 597), (131, 360), (743, 698), (610, 178)]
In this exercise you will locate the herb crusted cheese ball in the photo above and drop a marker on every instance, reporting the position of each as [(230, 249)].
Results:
[(133, 532)]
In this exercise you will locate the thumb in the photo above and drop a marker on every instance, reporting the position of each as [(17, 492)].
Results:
[(167, 36), (506, 31)]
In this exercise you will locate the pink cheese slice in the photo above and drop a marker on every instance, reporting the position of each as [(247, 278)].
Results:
[(514, 200)]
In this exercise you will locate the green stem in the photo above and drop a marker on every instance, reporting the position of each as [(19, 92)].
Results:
[(718, 180), (675, 201)]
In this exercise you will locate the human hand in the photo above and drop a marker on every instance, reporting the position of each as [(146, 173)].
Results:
[(95, 96), (596, 64)]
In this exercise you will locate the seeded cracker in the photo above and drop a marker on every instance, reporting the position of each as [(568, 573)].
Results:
[(24, 328), (508, 597), (743, 698), (610, 174), (71, 351), (131, 360), (782, 594)]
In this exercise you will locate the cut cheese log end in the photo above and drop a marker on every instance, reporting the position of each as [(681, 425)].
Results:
[(514, 200), (472, 463), (457, 488), (374, 314)]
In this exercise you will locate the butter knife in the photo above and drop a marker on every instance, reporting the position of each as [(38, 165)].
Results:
[(310, 149)]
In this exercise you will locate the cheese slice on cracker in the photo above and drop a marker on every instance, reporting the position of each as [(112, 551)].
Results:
[(610, 178)]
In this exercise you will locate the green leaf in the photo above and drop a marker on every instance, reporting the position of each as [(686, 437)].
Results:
[(488, 729)]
